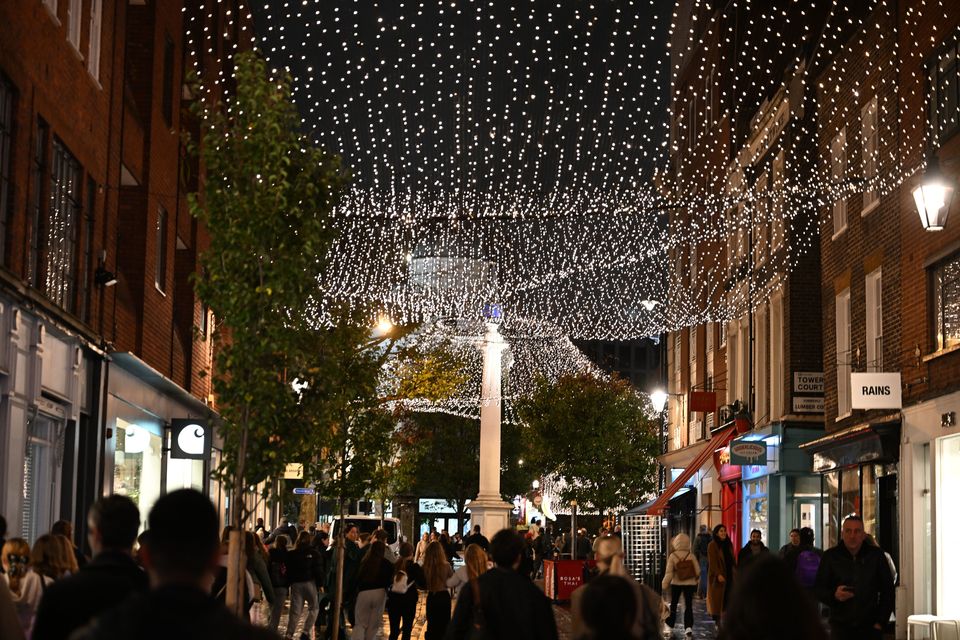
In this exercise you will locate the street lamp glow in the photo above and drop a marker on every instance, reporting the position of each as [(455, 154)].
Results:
[(384, 325), (658, 398), (649, 304), (535, 484), (933, 196)]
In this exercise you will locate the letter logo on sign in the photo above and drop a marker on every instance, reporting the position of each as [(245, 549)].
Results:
[(190, 438)]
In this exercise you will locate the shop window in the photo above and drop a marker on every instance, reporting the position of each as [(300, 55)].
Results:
[(137, 462), (838, 171), (184, 474), (41, 477), (948, 522), (946, 302), (868, 480), (831, 509), (944, 102), (849, 494), (756, 508)]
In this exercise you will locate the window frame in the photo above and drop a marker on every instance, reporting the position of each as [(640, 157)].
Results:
[(873, 325), (869, 151), (938, 337), (160, 264), (843, 356), (838, 172), (935, 70), (95, 39), (75, 23)]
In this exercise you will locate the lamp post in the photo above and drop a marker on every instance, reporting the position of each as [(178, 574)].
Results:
[(932, 196)]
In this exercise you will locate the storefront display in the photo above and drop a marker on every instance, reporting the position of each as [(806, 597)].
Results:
[(137, 462)]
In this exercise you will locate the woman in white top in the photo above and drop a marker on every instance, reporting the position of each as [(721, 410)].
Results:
[(475, 564), (681, 577), (421, 548), (26, 585)]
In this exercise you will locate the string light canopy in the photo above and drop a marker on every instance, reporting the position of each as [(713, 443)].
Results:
[(547, 157)]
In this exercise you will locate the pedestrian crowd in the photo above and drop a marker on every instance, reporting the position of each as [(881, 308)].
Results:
[(174, 584)]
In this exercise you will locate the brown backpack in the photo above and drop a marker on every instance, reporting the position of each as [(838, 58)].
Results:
[(684, 569)]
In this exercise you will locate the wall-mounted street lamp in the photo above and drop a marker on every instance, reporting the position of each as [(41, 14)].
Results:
[(933, 196), (103, 277)]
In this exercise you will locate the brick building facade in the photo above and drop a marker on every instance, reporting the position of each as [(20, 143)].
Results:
[(104, 340)]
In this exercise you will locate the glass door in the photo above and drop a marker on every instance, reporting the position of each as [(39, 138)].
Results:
[(948, 523), (41, 476)]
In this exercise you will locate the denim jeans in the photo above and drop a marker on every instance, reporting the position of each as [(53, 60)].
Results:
[(301, 592), (276, 609)]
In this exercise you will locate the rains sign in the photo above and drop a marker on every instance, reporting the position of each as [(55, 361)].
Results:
[(876, 391), (189, 438)]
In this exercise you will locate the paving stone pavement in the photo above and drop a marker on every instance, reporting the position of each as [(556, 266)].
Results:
[(703, 627)]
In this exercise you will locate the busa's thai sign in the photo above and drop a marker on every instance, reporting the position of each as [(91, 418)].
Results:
[(190, 438), (875, 391)]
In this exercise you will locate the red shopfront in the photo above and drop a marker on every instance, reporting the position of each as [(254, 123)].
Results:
[(731, 498)]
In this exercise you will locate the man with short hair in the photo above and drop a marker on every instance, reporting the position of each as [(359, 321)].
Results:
[(388, 553), (101, 584), (180, 560), (792, 545), (512, 606), (476, 538), (854, 581)]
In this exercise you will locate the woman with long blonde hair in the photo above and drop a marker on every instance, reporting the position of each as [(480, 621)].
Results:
[(437, 571), (647, 622), (475, 565), (26, 585)]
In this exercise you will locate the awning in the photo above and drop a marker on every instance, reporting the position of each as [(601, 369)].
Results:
[(719, 439), (875, 441)]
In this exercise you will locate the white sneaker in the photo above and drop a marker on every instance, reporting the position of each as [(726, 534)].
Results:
[(688, 632)]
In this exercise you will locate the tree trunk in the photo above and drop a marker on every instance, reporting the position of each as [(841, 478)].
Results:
[(236, 563), (338, 597)]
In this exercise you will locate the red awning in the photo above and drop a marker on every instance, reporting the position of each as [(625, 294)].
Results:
[(719, 440)]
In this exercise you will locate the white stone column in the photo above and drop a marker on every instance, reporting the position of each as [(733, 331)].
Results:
[(489, 510)]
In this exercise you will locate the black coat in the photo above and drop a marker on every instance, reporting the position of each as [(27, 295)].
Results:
[(68, 604), (869, 574), (184, 613), (513, 607)]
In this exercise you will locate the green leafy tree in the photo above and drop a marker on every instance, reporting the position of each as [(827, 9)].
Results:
[(594, 434), (266, 202)]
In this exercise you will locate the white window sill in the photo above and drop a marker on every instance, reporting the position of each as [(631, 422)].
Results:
[(52, 15), (159, 290), (94, 80), (941, 352), (843, 416), (839, 233), (870, 207)]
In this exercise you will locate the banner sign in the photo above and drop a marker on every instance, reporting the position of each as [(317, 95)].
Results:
[(703, 401), (748, 452), (876, 391), (190, 438)]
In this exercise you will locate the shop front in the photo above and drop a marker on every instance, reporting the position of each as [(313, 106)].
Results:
[(49, 400), (149, 450), (859, 469), (930, 484)]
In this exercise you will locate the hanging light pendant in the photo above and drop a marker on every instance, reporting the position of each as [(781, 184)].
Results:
[(933, 196)]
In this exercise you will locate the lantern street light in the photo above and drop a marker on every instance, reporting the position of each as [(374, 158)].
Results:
[(933, 196)]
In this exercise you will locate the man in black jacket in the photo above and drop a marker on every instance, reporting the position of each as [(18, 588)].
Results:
[(854, 581), (511, 606), (476, 538), (102, 584)]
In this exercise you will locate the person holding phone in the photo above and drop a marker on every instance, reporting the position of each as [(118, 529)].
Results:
[(854, 581)]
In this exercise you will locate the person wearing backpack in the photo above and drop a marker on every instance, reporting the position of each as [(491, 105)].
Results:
[(804, 560), (681, 577), (402, 594)]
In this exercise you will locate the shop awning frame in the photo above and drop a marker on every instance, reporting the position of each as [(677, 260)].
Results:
[(720, 439)]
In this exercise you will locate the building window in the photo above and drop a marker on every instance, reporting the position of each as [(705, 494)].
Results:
[(74, 13), (52, 6), (41, 477), (869, 139), (60, 251), (168, 81), (761, 376), (760, 217), (93, 47), (843, 353), (160, 273), (777, 202), (7, 96), (874, 312), (944, 82), (89, 216), (776, 357), (838, 172), (37, 230), (946, 300)]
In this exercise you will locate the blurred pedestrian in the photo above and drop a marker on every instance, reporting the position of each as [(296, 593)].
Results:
[(47, 557), (376, 574), (277, 570), (792, 544), (720, 567), (106, 581), (303, 566), (647, 619), (9, 622), (475, 564), (752, 550), (769, 604), (854, 581), (502, 603), (700, 550), (681, 577), (608, 608), (65, 528), (437, 570), (402, 596), (477, 538), (26, 585), (180, 560), (803, 561)]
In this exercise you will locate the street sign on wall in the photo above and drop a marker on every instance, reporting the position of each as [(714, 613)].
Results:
[(875, 391), (807, 405), (808, 381)]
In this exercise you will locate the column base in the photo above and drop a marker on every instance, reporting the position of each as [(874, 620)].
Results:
[(491, 513)]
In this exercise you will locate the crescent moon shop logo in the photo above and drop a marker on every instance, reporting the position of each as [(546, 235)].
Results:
[(191, 439)]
